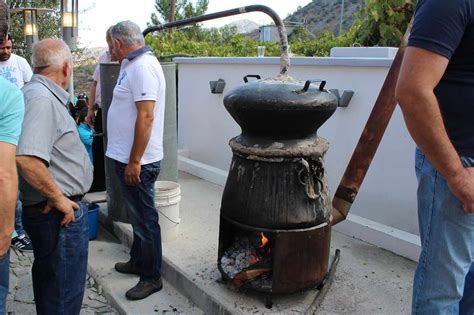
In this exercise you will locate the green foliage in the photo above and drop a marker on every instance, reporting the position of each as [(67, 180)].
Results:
[(382, 22), (184, 9), (379, 23)]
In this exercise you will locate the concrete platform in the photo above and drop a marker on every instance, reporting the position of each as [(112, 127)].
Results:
[(369, 280), (104, 252)]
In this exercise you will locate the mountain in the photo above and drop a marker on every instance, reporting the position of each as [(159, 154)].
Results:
[(325, 15), (244, 26)]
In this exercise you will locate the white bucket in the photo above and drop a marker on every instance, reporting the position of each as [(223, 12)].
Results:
[(167, 197)]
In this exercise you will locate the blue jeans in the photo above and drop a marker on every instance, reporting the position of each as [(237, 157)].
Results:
[(140, 202), (18, 219), (60, 264), (4, 276), (444, 278)]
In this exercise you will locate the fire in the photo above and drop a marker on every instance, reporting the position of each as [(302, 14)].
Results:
[(264, 240)]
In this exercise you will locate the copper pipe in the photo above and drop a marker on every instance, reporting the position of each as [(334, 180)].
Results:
[(369, 140), (284, 59)]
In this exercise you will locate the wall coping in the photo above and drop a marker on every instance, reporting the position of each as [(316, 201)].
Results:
[(295, 61)]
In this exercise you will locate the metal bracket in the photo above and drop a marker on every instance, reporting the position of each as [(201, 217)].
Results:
[(345, 99), (217, 87)]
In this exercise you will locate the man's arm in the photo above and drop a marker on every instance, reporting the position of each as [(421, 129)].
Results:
[(90, 112), (35, 172), (143, 127), (8, 193), (420, 73)]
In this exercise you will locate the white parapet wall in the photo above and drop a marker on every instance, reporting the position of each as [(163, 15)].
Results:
[(384, 212)]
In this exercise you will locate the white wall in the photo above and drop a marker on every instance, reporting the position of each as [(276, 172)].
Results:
[(387, 195)]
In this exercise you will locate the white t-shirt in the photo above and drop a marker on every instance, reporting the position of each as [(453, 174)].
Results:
[(16, 70), (140, 79), (104, 58)]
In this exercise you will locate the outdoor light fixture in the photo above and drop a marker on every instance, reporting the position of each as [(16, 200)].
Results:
[(30, 26), (30, 29), (69, 22)]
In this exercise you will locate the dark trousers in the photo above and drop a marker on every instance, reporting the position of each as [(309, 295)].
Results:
[(60, 264), (98, 184), (4, 276), (140, 202)]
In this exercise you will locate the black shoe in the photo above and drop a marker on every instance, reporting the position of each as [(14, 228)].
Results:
[(22, 243), (127, 267), (144, 289)]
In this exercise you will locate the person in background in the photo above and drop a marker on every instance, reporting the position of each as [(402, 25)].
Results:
[(94, 116), (11, 118), (135, 142), (435, 91), (55, 173), (86, 131), (16, 69)]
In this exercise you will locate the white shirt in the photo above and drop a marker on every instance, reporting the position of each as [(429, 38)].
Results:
[(16, 70), (104, 58), (140, 79)]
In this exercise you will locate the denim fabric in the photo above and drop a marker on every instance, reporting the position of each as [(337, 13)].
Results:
[(60, 264), (140, 202), (18, 221), (4, 277), (444, 277)]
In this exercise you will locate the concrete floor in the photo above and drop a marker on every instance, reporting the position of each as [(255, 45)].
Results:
[(369, 280)]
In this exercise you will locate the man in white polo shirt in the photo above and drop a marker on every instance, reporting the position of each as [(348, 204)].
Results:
[(135, 142)]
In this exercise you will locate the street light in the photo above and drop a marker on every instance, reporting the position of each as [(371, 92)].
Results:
[(30, 26), (69, 22)]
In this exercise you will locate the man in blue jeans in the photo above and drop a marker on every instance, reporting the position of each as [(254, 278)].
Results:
[(436, 94), (135, 142), (11, 117), (55, 173)]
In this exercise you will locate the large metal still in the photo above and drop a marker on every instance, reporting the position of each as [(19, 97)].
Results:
[(277, 181)]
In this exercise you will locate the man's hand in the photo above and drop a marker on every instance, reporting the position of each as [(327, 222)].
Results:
[(132, 174), (90, 118), (64, 205), (462, 187)]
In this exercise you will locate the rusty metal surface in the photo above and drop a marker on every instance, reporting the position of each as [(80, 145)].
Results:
[(300, 260), (300, 257), (370, 139)]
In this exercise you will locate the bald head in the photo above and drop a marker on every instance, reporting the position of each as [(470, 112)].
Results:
[(50, 54), (4, 20), (52, 58)]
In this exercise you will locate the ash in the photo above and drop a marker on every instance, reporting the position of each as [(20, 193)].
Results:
[(238, 257)]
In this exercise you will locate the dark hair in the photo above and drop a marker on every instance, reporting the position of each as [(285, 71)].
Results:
[(4, 20), (81, 115)]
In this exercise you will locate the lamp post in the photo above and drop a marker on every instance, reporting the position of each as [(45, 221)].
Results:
[(69, 22), (30, 26)]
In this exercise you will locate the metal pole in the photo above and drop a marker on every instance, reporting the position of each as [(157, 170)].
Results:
[(342, 15), (285, 60)]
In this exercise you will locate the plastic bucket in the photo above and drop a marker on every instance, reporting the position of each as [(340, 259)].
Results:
[(93, 219), (167, 198)]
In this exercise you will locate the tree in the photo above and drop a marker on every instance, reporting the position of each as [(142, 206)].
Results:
[(183, 9), (383, 23)]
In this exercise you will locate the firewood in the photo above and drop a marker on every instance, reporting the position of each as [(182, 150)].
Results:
[(249, 274)]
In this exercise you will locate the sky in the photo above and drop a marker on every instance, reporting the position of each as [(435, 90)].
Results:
[(97, 15)]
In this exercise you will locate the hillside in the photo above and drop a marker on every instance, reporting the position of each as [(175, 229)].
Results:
[(325, 15)]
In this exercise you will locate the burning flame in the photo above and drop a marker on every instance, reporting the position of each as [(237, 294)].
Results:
[(264, 240)]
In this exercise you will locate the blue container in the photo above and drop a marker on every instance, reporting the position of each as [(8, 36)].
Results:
[(93, 219)]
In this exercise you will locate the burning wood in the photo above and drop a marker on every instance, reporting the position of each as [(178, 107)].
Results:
[(249, 274), (248, 258)]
